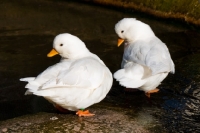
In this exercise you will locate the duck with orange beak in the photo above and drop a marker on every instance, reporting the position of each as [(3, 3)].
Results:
[(78, 81), (146, 61)]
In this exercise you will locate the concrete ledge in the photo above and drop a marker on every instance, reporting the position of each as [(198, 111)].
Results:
[(184, 10)]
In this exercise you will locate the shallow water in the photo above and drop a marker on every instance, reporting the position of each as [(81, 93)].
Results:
[(27, 29)]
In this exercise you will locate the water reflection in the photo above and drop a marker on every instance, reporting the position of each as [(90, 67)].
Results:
[(181, 103), (181, 114)]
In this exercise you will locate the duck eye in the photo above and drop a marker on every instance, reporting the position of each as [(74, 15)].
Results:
[(122, 31), (61, 44)]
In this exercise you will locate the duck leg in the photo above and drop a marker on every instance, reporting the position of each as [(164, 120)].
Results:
[(130, 90), (151, 91), (59, 108), (84, 113)]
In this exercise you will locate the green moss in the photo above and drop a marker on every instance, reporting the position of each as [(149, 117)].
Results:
[(186, 10)]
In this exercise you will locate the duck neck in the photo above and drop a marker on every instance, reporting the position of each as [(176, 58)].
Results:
[(79, 54)]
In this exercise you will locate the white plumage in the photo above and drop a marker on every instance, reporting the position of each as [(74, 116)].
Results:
[(79, 80), (146, 61)]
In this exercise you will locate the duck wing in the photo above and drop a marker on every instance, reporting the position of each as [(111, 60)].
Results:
[(153, 54), (158, 58), (34, 83), (76, 84)]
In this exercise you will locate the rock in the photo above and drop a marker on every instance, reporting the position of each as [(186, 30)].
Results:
[(108, 119), (4, 130)]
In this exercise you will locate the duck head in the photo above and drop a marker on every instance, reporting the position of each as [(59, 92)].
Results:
[(130, 30), (68, 46)]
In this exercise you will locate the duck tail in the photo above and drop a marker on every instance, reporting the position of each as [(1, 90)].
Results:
[(129, 80), (27, 79)]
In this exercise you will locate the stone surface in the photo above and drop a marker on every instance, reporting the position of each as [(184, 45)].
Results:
[(107, 120)]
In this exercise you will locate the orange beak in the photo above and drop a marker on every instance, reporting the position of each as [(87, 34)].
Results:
[(52, 53), (120, 41)]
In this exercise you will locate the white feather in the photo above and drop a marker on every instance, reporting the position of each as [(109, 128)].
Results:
[(146, 60), (78, 81), (27, 79)]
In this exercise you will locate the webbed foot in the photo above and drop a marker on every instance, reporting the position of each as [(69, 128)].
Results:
[(151, 91), (84, 113)]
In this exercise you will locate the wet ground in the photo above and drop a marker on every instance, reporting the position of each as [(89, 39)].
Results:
[(27, 29)]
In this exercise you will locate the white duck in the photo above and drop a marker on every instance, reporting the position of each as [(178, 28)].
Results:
[(146, 61), (78, 81)]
